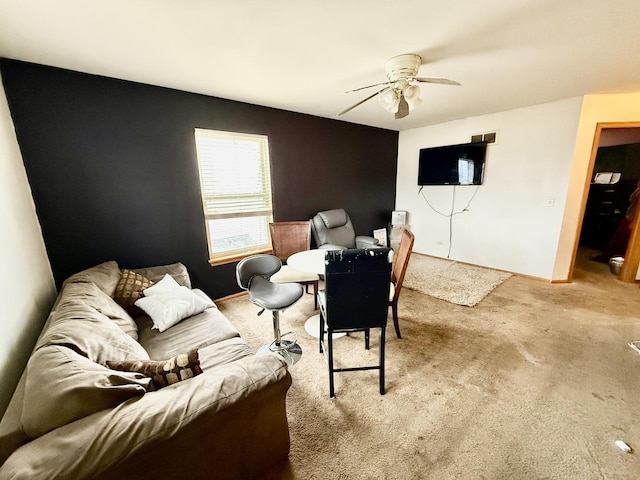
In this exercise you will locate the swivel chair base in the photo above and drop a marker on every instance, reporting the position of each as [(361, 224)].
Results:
[(290, 351)]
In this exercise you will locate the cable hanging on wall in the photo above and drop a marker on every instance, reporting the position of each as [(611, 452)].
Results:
[(451, 214)]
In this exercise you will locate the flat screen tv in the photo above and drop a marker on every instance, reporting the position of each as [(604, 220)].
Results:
[(452, 164)]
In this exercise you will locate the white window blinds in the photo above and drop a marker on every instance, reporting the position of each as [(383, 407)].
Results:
[(236, 191)]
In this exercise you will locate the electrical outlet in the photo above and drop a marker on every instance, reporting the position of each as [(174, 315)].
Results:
[(550, 202)]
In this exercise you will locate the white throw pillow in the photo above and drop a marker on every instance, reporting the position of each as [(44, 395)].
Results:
[(166, 285), (171, 306)]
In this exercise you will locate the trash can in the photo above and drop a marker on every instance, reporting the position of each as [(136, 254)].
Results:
[(615, 265)]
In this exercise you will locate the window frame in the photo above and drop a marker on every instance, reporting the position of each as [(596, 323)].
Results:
[(231, 256)]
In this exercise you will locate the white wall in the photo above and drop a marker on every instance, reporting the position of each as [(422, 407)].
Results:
[(27, 287), (509, 224)]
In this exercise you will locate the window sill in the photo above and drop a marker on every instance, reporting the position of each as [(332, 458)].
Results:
[(236, 257)]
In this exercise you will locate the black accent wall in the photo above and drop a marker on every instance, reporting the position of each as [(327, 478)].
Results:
[(113, 172)]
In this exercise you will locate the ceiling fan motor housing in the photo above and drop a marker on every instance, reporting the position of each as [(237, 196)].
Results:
[(402, 66)]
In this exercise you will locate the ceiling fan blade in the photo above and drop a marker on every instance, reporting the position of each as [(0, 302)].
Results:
[(369, 86), (403, 108), (362, 101), (443, 81)]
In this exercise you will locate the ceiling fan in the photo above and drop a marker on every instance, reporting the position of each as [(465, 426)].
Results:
[(401, 92)]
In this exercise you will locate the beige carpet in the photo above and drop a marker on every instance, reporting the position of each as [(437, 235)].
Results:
[(536, 382), (454, 282)]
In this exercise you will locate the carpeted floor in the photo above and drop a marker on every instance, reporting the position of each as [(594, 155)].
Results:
[(536, 381)]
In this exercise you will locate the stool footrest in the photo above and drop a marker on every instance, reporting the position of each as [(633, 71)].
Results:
[(290, 351), (284, 343)]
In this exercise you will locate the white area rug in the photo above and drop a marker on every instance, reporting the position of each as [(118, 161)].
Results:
[(451, 281)]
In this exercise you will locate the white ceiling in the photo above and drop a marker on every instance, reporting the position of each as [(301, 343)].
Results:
[(302, 55)]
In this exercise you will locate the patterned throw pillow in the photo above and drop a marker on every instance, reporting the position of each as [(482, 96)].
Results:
[(129, 289), (163, 372)]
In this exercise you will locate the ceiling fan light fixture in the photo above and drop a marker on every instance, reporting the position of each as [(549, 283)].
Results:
[(412, 96), (389, 100)]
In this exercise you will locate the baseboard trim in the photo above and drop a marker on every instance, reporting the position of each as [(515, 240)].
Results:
[(230, 297)]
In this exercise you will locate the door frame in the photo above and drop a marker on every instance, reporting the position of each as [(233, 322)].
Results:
[(629, 269)]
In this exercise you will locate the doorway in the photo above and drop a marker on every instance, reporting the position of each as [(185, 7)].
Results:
[(614, 175)]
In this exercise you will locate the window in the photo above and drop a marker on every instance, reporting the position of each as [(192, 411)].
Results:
[(235, 181)]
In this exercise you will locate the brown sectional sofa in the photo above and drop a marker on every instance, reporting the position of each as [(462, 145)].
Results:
[(71, 417)]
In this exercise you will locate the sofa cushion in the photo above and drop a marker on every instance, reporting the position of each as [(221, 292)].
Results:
[(106, 276), (223, 352), (177, 271), (129, 289), (168, 303), (163, 372), (63, 386), (198, 331), (96, 298), (79, 326)]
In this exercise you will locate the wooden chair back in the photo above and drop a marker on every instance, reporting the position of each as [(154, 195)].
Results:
[(288, 238), (401, 260)]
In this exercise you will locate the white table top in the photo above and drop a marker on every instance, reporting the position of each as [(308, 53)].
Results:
[(310, 261), (313, 261)]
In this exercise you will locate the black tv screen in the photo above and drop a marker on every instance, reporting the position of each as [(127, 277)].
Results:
[(452, 164)]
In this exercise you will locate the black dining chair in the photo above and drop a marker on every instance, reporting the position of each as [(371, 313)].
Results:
[(355, 298)]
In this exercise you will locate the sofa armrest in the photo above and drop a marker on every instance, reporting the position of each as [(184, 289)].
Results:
[(187, 430)]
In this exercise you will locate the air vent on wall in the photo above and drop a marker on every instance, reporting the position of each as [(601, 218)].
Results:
[(489, 137)]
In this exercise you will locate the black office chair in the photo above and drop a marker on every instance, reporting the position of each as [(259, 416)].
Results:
[(355, 298), (252, 274)]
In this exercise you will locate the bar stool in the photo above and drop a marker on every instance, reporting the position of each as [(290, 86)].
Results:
[(253, 274)]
